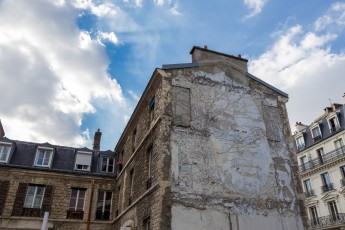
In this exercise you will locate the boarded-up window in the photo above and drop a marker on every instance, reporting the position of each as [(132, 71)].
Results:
[(4, 185), (181, 106)]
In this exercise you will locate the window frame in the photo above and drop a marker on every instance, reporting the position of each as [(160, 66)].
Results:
[(34, 196), (3, 145), (75, 209), (337, 123), (300, 146), (314, 216), (333, 208), (319, 136), (107, 164), (45, 149)]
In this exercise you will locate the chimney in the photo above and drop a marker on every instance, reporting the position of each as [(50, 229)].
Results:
[(2, 132), (97, 140), (299, 126)]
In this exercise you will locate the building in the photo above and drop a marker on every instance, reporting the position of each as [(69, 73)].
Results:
[(321, 160), (208, 146), (75, 185)]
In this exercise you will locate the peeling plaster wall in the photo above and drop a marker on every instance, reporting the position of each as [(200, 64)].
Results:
[(233, 158)]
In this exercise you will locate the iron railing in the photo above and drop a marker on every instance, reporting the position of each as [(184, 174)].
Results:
[(328, 221), (327, 187), (317, 138), (328, 157), (310, 193)]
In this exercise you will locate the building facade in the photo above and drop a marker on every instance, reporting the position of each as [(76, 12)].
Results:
[(208, 146), (321, 159), (75, 185)]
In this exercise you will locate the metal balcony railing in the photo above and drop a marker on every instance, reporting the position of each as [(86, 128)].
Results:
[(327, 187), (342, 182), (317, 138), (328, 221), (328, 157), (310, 193)]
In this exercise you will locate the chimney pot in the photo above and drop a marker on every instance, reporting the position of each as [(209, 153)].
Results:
[(97, 140), (205, 47), (240, 56)]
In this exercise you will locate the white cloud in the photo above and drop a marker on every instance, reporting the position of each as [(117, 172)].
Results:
[(174, 10), (134, 95), (111, 37), (333, 20), (51, 72), (302, 63), (255, 6)]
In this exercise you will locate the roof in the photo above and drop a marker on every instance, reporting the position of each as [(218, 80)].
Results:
[(23, 155), (180, 66), (267, 85)]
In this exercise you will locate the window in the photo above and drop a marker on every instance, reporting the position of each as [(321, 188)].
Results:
[(34, 196), (119, 196), (314, 216), (327, 185), (304, 163), (134, 134), (149, 168), (108, 164), (43, 157), (333, 124), (77, 199), (320, 154), (147, 223), (5, 149), (152, 109), (300, 143), (338, 143), (333, 210), (131, 184), (103, 205), (83, 161), (308, 188), (316, 133)]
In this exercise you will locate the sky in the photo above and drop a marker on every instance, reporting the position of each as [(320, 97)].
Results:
[(68, 68)]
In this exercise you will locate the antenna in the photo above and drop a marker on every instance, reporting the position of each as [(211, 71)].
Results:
[(330, 101)]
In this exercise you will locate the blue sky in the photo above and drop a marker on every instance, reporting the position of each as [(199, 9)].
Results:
[(70, 67)]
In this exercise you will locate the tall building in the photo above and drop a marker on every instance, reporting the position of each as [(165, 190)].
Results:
[(208, 147), (321, 160), (75, 185)]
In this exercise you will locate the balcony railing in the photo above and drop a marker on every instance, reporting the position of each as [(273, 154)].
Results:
[(327, 187), (328, 221), (342, 182), (310, 193), (328, 157), (317, 138)]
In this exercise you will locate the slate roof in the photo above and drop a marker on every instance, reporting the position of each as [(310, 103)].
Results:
[(23, 154)]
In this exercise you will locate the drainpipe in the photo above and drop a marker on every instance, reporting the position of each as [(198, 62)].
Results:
[(90, 206)]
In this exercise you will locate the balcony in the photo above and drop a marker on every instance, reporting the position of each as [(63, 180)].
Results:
[(342, 182), (327, 158), (310, 193), (326, 222), (327, 187)]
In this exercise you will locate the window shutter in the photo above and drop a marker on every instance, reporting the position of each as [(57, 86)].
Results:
[(4, 186), (47, 201), (20, 198)]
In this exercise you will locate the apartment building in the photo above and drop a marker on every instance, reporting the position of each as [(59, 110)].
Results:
[(321, 160), (208, 147), (75, 185)]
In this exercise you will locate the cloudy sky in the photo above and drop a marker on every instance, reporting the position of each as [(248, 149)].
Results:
[(70, 67)]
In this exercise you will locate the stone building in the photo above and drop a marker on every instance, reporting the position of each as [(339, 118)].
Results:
[(208, 146), (321, 159), (75, 185)]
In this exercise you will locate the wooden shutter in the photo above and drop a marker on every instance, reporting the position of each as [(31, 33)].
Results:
[(20, 198), (47, 201), (4, 186)]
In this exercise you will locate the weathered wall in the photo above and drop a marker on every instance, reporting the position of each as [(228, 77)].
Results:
[(235, 156)]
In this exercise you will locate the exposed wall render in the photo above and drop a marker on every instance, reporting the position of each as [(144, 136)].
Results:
[(234, 157)]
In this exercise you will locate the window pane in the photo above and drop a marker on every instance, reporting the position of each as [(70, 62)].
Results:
[(80, 205), (46, 157), (108, 196), (72, 203), (40, 156), (82, 194), (37, 202), (28, 201), (40, 190)]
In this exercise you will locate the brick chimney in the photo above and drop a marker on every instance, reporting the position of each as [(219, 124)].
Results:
[(299, 126), (2, 132), (97, 140), (205, 56)]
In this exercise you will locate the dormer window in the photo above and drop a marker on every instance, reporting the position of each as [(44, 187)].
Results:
[(5, 149), (300, 143), (316, 133), (43, 157), (83, 161), (108, 164), (333, 124)]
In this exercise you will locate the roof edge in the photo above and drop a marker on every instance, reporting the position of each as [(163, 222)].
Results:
[(216, 52)]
